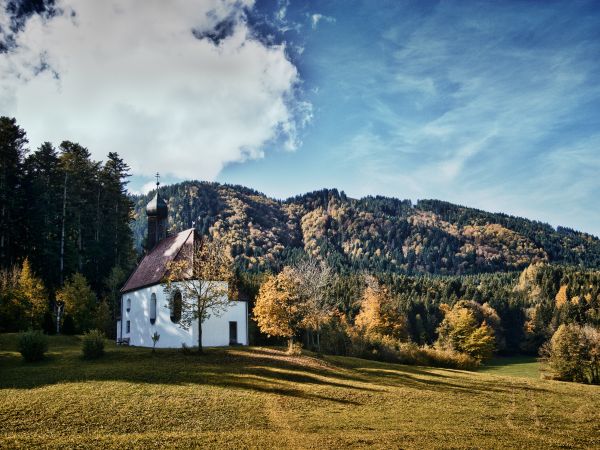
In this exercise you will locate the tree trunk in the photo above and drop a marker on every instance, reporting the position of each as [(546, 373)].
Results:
[(291, 344), (62, 234), (319, 341), (59, 309), (200, 350)]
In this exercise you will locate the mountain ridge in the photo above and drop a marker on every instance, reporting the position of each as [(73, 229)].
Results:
[(374, 233)]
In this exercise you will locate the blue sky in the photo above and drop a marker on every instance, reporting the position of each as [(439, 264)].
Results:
[(494, 105), (489, 104)]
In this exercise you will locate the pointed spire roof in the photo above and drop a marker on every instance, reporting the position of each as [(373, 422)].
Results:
[(157, 206)]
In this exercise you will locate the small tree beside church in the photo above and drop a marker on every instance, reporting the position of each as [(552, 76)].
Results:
[(201, 276)]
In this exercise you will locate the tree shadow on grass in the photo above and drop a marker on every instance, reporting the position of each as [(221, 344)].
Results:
[(221, 368), (419, 379), (257, 369)]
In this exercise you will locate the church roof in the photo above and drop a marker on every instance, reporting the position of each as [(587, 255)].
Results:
[(153, 267), (157, 206)]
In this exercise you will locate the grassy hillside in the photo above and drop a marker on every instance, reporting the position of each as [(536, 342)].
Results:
[(261, 398), (515, 366), (374, 233)]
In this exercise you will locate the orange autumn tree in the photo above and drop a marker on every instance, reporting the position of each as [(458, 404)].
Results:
[(33, 293), (278, 310), (462, 332), (378, 314)]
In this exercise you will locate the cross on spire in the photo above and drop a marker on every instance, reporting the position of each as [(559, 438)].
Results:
[(157, 180)]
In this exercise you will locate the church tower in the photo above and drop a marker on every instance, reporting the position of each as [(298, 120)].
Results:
[(157, 213)]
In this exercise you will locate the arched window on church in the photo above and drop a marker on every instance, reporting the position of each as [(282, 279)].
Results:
[(128, 304), (176, 305), (153, 308)]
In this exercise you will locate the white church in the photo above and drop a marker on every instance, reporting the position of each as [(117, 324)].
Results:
[(145, 308)]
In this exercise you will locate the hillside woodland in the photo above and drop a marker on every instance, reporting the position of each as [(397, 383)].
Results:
[(372, 233), (400, 274)]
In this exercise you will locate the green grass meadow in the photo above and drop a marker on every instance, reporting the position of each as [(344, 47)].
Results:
[(515, 366), (263, 398)]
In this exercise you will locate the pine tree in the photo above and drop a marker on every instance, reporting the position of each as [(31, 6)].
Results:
[(12, 201), (43, 190), (79, 217)]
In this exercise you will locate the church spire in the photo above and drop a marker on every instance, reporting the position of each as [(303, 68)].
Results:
[(157, 213)]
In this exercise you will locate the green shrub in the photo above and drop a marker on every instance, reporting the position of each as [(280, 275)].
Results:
[(33, 345), (93, 344), (411, 353)]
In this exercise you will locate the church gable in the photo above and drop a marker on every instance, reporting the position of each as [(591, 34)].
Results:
[(153, 267)]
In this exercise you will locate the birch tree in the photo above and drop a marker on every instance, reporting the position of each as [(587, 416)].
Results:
[(313, 280), (201, 276)]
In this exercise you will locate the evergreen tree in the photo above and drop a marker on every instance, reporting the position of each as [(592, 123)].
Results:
[(43, 191), (12, 201)]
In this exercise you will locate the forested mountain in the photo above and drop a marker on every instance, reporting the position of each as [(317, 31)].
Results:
[(372, 233)]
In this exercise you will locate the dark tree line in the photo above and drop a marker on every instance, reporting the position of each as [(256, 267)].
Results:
[(64, 212)]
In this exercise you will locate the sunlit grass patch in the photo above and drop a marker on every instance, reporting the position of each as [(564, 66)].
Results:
[(263, 398), (517, 366)]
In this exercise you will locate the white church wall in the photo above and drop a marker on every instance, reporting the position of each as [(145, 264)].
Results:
[(215, 329)]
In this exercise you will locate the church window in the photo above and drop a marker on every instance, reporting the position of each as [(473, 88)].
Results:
[(128, 304), (153, 308), (176, 305)]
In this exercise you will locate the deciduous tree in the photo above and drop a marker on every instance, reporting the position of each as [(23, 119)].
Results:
[(278, 310), (33, 293), (79, 301), (201, 275), (314, 280), (461, 331)]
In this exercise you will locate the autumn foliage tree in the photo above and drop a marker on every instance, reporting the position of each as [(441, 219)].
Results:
[(278, 310), (313, 280), (573, 353), (23, 298), (33, 294), (79, 301), (201, 276), (377, 315), (462, 332), (12, 314)]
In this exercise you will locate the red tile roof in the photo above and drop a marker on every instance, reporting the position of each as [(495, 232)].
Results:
[(153, 267)]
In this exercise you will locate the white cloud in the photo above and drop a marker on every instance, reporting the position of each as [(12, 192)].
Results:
[(146, 187), (316, 18), (131, 77)]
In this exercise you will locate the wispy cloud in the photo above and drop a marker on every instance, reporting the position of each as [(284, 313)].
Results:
[(316, 18), (481, 96)]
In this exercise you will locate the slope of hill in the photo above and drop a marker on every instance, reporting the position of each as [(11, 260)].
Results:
[(263, 398), (374, 233)]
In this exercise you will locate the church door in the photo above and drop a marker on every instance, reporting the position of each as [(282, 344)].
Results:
[(233, 333)]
